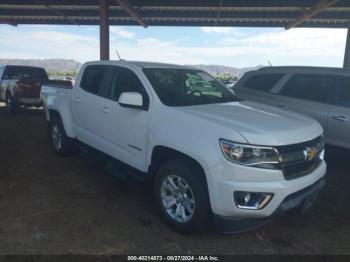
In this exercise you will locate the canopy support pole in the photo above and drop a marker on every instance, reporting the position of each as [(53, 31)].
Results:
[(346, 63), (104, 30)]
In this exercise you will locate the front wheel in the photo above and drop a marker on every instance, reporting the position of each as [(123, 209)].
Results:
[(182, 196), (61, 143)]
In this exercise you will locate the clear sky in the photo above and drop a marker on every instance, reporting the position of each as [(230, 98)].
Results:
[(238, 47)]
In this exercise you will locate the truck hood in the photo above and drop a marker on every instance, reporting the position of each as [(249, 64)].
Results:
[(259, 124)]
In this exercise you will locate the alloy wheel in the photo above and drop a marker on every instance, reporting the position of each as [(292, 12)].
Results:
[(177, 198)]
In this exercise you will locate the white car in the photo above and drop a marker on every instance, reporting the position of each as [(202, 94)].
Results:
[(319, 92), (209, 154)]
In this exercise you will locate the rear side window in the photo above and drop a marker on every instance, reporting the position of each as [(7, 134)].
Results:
[(263, 82), (24, 72), (309, 87), (92, 78), (343, 96)]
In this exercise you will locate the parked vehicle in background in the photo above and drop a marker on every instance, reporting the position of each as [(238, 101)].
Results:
[(208, 153), (319, 92), (21, 85)]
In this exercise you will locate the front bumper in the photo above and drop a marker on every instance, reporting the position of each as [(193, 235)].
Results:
[(301, 199), (227, 178), (28, 101)]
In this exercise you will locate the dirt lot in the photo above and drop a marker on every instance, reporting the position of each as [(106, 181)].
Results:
[(52, 205)]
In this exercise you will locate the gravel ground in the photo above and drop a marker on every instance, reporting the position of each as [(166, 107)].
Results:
[(52, 205)]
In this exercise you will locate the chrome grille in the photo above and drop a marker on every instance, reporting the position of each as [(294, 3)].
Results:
[(293, 159)]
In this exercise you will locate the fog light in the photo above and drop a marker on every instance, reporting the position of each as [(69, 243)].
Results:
[(252, 200)]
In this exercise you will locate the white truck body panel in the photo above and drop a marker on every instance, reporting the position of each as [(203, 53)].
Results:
[(130, 135)]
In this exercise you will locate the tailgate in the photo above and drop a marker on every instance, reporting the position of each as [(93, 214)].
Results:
[(29, 88)]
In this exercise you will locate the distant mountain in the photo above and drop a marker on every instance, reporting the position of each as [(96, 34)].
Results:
[(67, 65), (225, 70), (60, 65)]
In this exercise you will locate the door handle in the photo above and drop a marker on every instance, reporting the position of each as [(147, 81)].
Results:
[(339, 118), (105, 109), (283, 107), (77, 100)]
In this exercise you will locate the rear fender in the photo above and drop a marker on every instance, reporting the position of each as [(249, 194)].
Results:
[(66, 121), (57, 103)]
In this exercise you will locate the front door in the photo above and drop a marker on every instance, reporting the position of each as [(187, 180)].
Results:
[(125, 129)]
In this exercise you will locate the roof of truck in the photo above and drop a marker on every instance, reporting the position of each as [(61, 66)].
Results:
[(143, 64), (158, 65), (27, 66)]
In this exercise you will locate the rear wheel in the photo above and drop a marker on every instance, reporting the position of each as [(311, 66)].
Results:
[(182, 196), (61, 143), (10, 104)]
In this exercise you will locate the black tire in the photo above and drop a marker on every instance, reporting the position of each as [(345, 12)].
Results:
[(189, 173), (61, 143), (11, 106)]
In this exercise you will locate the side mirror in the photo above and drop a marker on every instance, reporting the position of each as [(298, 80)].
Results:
[(131, 100)]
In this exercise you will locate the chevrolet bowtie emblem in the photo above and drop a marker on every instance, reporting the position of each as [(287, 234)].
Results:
[(309, 153)]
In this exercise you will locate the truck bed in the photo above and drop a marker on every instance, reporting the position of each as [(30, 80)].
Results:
[(59, 84)]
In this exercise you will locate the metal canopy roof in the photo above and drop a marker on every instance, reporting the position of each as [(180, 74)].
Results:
[(255, 13)]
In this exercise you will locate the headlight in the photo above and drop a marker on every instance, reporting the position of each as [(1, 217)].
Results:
[(257, 156)]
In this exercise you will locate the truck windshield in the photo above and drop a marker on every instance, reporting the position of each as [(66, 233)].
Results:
[(25, 72), (186, 87)]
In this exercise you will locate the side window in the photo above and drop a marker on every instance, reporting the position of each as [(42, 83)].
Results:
[(343, 97), (309, 87), (264, 82), (124, 80), (92, 78)]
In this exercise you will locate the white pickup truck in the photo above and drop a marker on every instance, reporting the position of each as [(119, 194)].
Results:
[(210, 155)]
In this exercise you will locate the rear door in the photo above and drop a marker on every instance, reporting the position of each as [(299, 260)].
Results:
[(338, 129), (86, 105), (308, 94)]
